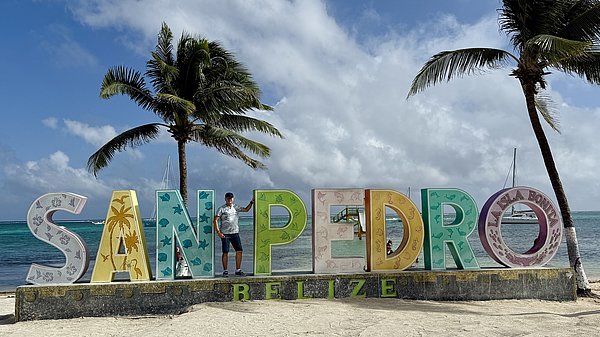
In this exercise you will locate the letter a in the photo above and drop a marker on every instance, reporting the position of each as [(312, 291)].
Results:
[(123, 243)]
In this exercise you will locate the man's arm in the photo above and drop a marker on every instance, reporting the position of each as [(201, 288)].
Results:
[(247, 208), (216, 226)]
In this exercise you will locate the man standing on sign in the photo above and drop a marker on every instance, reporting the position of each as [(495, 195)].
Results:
[(229, 231)]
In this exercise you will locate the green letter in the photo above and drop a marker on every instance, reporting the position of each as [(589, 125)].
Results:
[(357, 288), (272, 288), (388, 288), (331, 290), (301, 291), (454, 234), (264, 236), (240, 289)]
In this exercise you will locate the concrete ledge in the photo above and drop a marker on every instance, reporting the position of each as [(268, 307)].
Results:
[(174, 297)]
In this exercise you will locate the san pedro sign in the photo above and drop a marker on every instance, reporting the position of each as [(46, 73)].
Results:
[(123, 244)]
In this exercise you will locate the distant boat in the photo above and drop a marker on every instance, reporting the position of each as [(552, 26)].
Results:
[(516, 216), (520, 217), (101, 222)]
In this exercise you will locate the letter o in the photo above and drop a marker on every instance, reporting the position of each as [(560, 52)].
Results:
[(545, 245)]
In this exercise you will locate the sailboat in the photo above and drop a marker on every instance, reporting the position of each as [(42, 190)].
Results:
[(518, 216), (151, 221)]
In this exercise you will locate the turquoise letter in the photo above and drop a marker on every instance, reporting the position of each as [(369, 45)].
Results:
[(173, 224), (454, 234)]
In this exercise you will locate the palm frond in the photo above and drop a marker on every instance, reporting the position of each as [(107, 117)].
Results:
[(553, 49), (239, 123), (161, 67), (586, 67), (192, 59), (177, 104), (164, 45), (583, 21), (130, 138), (457, 63), (228, 97), (524, 19), (162, 74), (547, 108), (125, 81), (230, 144)]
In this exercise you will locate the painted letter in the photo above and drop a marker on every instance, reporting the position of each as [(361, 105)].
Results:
[(544, 246), (412, 242), (272, 290), (173, 224), (264, 236), (455, 234), (388, 288), (358, 285), (39, 220), (240, 289), (324, 232), (123, 243), (300, 286)]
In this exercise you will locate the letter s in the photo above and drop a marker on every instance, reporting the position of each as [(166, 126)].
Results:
[(39, 220)]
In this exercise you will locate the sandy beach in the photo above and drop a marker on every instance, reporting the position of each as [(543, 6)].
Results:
[(346, 317)]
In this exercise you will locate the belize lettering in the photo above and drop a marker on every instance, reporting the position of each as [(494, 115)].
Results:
[(123, 245)]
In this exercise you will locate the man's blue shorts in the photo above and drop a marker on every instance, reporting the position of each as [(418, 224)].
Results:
[(235, 242)]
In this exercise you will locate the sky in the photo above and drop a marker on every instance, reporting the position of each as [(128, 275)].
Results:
[(337, 73)]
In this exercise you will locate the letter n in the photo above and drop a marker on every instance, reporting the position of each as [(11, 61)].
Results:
[(173, 224)]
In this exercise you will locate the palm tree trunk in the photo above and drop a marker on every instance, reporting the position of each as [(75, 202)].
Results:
[(182, 171), (583, 285)]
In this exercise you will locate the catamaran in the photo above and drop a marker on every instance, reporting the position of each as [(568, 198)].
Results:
[(518, 216)]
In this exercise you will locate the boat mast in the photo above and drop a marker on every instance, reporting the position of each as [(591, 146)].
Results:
[(514, 175), (165, 180)]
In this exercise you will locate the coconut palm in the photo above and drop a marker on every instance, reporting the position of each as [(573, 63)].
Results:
[(545, 34), (201, 93)]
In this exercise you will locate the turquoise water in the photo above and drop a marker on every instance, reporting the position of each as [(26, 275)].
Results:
[(19, 248)]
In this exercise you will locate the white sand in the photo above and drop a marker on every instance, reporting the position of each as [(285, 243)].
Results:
[(347, 317)]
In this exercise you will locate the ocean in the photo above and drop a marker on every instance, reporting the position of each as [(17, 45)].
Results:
[(19, 248)]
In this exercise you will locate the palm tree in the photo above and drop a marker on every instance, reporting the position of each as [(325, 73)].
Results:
[(202, 94), (558, 34)]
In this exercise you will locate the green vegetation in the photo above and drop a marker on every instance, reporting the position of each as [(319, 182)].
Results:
[(201, 93), (546, 34)]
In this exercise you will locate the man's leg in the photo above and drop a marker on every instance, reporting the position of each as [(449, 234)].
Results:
[(237, 245), (225, 256), (225, 260), (238, 260)]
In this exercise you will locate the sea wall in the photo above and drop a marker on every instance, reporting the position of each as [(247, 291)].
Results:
[(35, 302)]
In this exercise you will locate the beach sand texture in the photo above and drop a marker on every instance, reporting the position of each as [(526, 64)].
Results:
[(344, 317)]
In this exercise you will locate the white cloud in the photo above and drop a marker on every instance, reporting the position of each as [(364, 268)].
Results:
[(97, 136), (50, 122), (342, 106)]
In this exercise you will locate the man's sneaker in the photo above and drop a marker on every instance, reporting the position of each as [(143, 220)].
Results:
[(240, 273), (225, 273)]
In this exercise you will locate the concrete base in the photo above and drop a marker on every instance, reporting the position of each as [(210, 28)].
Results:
[(174, 297)]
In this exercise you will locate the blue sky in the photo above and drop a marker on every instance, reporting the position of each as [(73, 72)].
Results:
[(337, 72)]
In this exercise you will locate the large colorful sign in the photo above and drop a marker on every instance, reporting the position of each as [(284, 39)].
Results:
[(123, 246)]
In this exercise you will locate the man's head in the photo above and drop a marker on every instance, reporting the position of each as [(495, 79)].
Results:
[(229, 198)]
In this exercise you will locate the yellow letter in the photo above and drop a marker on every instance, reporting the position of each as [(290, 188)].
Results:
[(123, 243)]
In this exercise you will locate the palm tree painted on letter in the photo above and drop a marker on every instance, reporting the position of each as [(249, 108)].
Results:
[(201, 93), (557, 34)]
